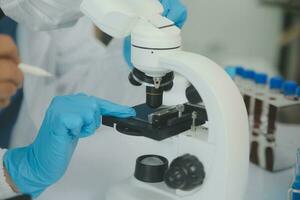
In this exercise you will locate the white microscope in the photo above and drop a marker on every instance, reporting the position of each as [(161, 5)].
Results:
[(212, 162)]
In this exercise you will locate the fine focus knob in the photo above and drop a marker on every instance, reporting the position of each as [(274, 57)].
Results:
[(185, 173), (192, 95), (151, 168)]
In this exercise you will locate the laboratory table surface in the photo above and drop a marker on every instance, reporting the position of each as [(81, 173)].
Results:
[(97, 163)]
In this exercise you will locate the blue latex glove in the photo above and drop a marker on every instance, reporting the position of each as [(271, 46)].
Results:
[(173, 10), (36, 167)]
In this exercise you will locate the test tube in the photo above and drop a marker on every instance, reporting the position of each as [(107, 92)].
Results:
[(255, 120), (294, 192), (298, 165), (289, 90), (298, 93), (275, 88), (276, 83), (249, 76), (261, 82), (239, 79), (249, 85)]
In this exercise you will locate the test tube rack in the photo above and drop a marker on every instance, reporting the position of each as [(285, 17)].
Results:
[(274, 127)]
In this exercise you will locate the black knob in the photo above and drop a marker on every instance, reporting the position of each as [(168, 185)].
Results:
[(185, 173), (192, 95), (151, 168)]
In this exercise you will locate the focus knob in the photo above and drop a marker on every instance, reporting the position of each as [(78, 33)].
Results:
[(192, 95), (151, 168), (185, 173)]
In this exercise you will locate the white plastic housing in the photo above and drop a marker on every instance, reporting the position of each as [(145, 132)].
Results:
[(151, 38), (224, 151), (156, 51), (118, 17), (156, 32)]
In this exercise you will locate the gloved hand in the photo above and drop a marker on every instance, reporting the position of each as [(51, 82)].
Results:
[(44, 162), (173, 10)]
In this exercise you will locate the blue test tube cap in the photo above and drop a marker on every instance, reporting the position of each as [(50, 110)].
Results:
[(240, 71), (249, 74), (261, 78), (296, 184), (231, 71), (290, 88), (276, 83)]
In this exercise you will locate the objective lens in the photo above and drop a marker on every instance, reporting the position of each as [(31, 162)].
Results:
[(154, 97)]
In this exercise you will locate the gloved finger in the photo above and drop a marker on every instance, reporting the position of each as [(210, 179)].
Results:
[(90, 123), (127, 51), (175, 11), (97, 119), (68, 124), (166, 5), (93, 104), (111, 109), (179, 18)]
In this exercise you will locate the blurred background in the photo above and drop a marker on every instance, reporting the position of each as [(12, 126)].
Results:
[(234, 31), (259, 34), (254, 33)]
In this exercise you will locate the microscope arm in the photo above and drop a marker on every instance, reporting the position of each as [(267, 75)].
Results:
[(228, 125)]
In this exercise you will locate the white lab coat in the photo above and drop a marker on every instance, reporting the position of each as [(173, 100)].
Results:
[(43, 14), (80, 64)]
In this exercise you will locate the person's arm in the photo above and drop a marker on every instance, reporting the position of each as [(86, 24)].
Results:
[(36, 167), (7, 188), (9, 181)]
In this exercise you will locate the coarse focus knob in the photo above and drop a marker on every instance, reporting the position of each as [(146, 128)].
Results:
[(151, 168), (192, 95), (185, 173)]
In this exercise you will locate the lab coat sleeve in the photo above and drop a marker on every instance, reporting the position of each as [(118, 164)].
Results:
[(43, 14), (76, 52), (5, 189), (82, 64)]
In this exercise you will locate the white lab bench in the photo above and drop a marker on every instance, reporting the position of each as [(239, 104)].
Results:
[(99, 161), (263, 185)]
